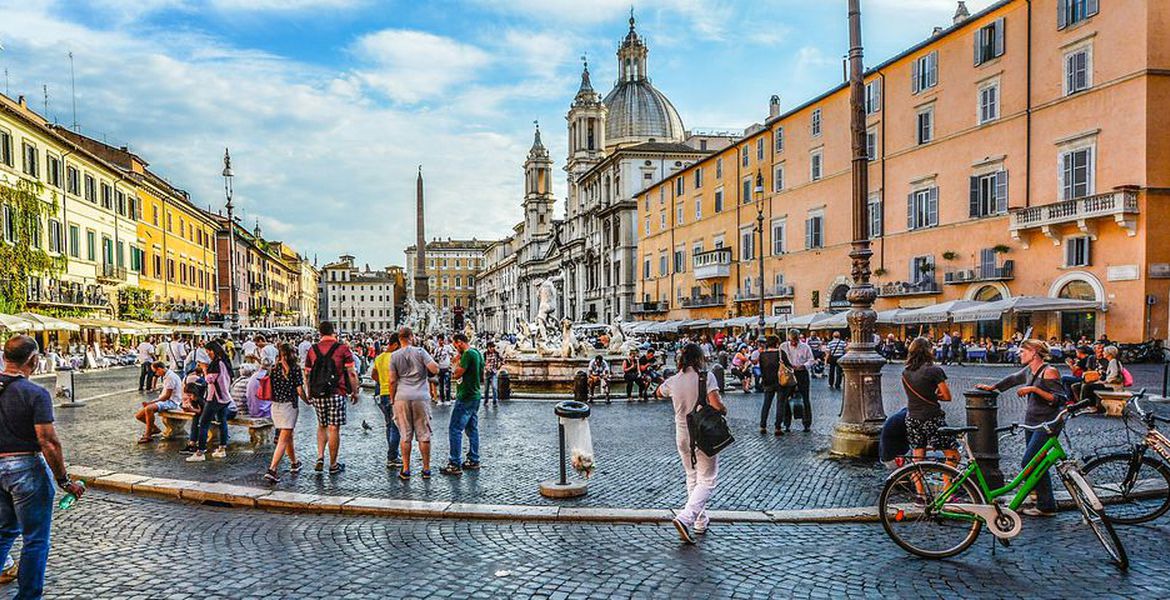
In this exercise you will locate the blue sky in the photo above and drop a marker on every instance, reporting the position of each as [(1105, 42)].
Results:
[(329, 106)]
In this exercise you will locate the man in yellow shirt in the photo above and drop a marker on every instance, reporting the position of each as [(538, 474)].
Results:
[(381, 376)]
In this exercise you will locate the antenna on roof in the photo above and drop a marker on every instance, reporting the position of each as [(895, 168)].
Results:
[(45, 88), (73, 84), (7, 92)]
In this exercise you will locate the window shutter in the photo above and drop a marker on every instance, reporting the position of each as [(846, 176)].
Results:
[(932, 60), (1091, 7), (932, 207), (808, 233), (877, 94), (1065, 172), (910, 211), (978, 47), (1088, 251), (974, 205), (1061, 14), (987, 260), (1001, 191), (914, 77), (999, 37)]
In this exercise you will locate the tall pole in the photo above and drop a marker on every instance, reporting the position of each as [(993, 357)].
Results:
[(760, 257), (227, 190), (421, 282), (858, 430)]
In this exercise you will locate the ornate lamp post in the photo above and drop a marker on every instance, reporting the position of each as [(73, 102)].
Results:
[(858, 430), (760, 254), (227, 190)]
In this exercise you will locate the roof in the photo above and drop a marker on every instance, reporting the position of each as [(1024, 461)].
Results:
[(638, 110), (664, 147)]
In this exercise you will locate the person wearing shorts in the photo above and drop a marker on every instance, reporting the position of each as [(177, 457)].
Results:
[(926, 388), (410, 371), (168, 399), (331, 409)]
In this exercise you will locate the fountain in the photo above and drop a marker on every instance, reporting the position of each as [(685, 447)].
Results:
[(422, 318)]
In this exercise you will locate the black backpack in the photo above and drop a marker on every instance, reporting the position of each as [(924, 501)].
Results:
[(323, 377), (707, 427)]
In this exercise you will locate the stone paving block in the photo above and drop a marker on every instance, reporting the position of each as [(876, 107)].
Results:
[(330, 503), (287, 500), (614, 514), (394, 507), (87, 474), (235, 495), (502, 511), (119, 481), (172, 488)]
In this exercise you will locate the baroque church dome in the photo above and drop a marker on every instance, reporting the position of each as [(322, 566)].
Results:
[(636, 111)]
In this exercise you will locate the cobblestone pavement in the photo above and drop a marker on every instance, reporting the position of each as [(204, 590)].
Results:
[(638, 466), (114, 546)]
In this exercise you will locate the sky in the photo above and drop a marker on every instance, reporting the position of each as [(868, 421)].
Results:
[(329, 107)]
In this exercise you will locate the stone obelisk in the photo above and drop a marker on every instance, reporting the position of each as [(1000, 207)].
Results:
[(421, 288)]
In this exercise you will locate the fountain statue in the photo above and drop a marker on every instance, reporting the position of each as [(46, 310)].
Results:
[(422, 317)]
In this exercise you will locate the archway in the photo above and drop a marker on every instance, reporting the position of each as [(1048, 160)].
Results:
[(1079, 285), (988, 329), (839, 297)]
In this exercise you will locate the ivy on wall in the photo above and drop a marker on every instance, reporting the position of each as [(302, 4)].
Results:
[(135, 303), (23, 258)]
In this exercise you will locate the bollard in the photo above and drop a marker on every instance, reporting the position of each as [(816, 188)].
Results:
[(983, 412), (562, 487), (581, 387), (503, 385), (66, 389)]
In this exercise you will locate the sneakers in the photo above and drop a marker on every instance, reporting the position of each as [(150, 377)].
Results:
[(220, 452), (1033, 511), (699, 529), (426, 474), (470, 466), (197, 457), (404, 475), (451, 469), (271, 477), (684, 532)]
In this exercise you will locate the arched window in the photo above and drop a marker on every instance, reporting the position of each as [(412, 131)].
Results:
[(1078, 290), (839, 297), (988, 293)]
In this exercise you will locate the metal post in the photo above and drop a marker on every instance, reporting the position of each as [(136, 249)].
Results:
[(983, 412), (232, 292), (859, 428), (760, 258), (561, 436)]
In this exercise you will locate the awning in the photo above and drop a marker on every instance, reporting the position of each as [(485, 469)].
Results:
[(806, 321), (775, 320), (890, 317), (49, 323), (836, 321), (199, 330), (740, 321), (16, 324), (151, 328), (103, 325), (936, 313), (695, 324), (992, 311)]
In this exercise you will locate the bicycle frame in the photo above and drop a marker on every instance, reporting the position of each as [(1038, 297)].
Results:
[(1049, 455)]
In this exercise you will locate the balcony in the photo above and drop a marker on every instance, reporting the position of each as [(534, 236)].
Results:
[(68, 294), (112, 274), (1120, 205), (712, 264), (643, 308), (924, 287), (771, 292), (981, 273), (703, 301)]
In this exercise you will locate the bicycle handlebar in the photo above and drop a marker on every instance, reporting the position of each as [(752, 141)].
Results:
[(1072, 410)]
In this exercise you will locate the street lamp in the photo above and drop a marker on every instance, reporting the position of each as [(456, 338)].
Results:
[(227, 190), (760, 257), (859, 427)]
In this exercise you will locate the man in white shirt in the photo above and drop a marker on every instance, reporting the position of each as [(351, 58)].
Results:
[(168, 399), (303, 349), (798, 357), (444, 352), (146, 359), (265, 352), (176, 352), (249, 349)]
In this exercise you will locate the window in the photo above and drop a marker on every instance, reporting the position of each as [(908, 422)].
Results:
[(120, 202), (747, 243), (9, 225), (53, 170), (74, 241), (924, 72), (1078, 70), (5, 147), (779, 136), (874, 213), (745, 155), (873, 96), (31, 166), (871, 144), (698, 208), (698, 177), (746, 193), (815, 123), (696, 248), (989, 42), (679, 186), (678, 214), (926, 126), (647, 224), (989, 194), (778, 236), (760, 148), (90, 188), (72, 181), (988, 102), (1076, 173), (719, 167), (1071, 12), (107, 196), (680, 258), (719, 200), (814, 230), (778, 177), (55, 237), (815, 167), (922, 208), (662, 221), (1078, 252), (922, 268), (646, 269), (717, 242), (661, 265), (90, 244)]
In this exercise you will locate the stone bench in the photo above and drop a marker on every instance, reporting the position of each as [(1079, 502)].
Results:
[(175, 426)]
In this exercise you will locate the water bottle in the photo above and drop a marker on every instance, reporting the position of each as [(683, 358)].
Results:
[(68, 500)]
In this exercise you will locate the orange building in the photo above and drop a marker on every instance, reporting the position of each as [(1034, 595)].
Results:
[(1021, 151)]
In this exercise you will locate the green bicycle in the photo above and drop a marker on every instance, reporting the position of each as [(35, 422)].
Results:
[(934, 510)]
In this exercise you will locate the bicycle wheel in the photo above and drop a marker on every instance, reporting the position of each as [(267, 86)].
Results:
[(919, 530), (1096, 518), (1132, 492)]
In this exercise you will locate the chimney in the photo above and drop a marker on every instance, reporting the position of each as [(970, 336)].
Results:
[(961, 13), (774, 107)]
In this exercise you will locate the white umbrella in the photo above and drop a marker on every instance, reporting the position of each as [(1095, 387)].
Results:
[(935, 313), (49, 323), (837, 321), (805, 321), (991, 311), (17, 324)]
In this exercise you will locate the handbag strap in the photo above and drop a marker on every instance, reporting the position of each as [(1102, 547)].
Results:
[(907, 385), (702, 388)]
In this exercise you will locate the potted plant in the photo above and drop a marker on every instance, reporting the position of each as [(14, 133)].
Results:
[(880, 271), (950, 255), (1001, 248)]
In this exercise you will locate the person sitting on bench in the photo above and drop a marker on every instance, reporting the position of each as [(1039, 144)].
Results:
[(168, 399)]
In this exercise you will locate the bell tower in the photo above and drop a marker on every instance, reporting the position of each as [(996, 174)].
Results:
[(538, 198), (586, 137)]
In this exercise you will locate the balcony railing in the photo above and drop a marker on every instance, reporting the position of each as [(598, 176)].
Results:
[(660, 306), (1121, 205), (66, 293), (905, 288), (701, 301), (981, 273), (112, 273), (712, 264), (770, 292)]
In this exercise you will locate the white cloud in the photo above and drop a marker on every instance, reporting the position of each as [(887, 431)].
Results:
[(410, 66)]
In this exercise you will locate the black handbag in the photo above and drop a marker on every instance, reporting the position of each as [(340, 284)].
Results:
[(707, 427)]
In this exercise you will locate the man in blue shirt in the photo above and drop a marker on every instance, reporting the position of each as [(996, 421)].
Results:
[(28, 441)]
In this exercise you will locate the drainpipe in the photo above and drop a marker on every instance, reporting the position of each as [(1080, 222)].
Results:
[(1028, 116), (882, 168)]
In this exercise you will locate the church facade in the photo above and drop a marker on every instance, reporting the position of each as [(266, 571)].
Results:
[(619, 144)]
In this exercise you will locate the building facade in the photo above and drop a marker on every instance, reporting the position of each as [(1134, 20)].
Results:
[(83, 223), (453, 267), (1012, 153), (357, 299)]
